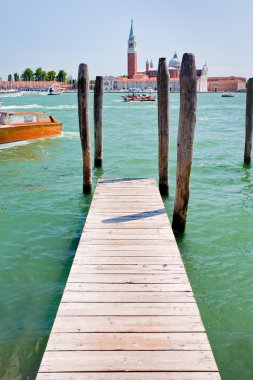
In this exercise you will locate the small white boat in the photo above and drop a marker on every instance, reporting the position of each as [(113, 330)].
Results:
[(53, 91), (227, 95)]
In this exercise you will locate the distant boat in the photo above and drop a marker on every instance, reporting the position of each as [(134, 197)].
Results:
[(227, 95), (52, 91), (138, 98), (21, 126)]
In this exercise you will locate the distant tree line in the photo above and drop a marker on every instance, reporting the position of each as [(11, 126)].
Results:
[(40, 75)]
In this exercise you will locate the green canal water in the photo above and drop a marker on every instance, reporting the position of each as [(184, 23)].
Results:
[(42, 213)]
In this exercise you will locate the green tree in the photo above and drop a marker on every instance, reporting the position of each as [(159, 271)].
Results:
[(9, 78), (16, 77), (27, 74), (62, 75), (43, 75), (38, 74), (51, 75)]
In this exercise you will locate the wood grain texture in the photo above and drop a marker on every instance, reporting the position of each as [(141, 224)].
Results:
[(125, 287), (79, 296), (129, 376), (109, 361), (132, 260), (124, 324), (84, 126), (98, 121), (129, 342), (131, 278), (163, 86), (186, 128), (128, 311), (249, 122)]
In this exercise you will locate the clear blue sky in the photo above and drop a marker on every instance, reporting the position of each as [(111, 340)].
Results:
[(60, 34)]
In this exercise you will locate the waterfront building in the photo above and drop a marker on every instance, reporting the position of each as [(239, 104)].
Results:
[(147, 79), (224, 84), (34, 85), (108, 83)]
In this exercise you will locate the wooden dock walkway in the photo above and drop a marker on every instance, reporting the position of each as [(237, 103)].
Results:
[(128, 311)]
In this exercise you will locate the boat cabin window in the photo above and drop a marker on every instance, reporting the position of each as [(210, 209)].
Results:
[(30, 118), (16, 119), (6, 119), (3, 118), (44, 119), (20, 119)]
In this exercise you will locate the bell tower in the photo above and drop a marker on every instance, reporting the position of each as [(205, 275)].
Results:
[(131, 54)]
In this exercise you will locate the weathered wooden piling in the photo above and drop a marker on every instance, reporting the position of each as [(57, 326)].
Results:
[(249, 122), (98, 111), (186, 127), (84, 127), (163, 80)]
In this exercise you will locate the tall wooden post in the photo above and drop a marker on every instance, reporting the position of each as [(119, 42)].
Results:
[(84, 127), (163, 89), (186, 127), (249, 122), (98, 110)]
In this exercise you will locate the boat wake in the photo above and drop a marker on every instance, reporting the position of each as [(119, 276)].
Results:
[(37, 106), (70, 134), (132, 106), (62, 107), (25, 107), (14, 144)]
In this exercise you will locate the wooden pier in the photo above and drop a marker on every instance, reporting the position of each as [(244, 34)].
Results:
[(128, 311)]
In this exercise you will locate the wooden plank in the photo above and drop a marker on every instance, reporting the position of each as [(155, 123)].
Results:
[(110, 251), (137, 268), (136, 243), (108, 361), (191, 323), (96, 252), (137, 233), (128, 342), (138, 210), (129, 198), (105, 260), (129, 376), (128, 309), (147, 278), (130, 201), (95, 224), (150, 247), (128, 297), (101, 287)]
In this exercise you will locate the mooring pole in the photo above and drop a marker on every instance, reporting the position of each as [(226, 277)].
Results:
[(249, 122), (84, 127), (186, 127), (163, 89), (98, 111)]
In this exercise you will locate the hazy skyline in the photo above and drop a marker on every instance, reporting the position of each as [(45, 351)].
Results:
[(60, 34)]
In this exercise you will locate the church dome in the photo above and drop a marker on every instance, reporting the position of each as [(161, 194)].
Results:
[(175, 62)]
